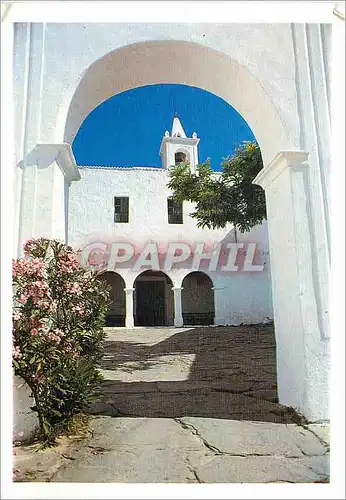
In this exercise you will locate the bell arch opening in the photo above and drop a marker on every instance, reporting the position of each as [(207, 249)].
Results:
[(180, 157)]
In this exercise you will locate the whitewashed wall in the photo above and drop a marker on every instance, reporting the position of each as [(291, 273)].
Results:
[(246, 295)]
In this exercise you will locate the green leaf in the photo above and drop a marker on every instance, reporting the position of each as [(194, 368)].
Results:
[(46, 426), (56, 412)]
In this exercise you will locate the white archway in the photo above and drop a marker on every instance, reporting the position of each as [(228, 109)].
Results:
[(176, 62), (299, 317)]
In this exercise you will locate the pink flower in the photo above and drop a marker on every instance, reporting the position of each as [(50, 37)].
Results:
[(43, 303), (34, 246), (16, 315), (16, 352), (79, 310), (68, 262), (23, 299), (30, 267), (53, 307), (55, 338), (28, 245), (34, 332), (37, 290), (74, 288)]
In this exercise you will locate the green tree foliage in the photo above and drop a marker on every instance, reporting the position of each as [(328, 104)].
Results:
[(228, 198)]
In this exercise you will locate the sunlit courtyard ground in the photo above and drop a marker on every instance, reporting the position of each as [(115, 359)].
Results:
[(191, 405), (216, 372)]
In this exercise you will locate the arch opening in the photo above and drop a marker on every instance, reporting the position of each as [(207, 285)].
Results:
[(117, 310), (180, 158), (153, 299), (155, 62), (198, 303)]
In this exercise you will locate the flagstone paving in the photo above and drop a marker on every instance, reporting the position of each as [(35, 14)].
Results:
[(195, 405)]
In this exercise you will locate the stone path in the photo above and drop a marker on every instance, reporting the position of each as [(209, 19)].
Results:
[(196, 450), (194, 405)]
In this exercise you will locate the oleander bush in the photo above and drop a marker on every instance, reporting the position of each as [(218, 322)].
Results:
[(58, 316)]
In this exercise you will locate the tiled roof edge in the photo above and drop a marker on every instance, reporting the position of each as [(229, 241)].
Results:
[(121, 168), (152, 169)]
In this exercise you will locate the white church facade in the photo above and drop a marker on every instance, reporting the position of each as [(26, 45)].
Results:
[(277, 76), (213, 277)]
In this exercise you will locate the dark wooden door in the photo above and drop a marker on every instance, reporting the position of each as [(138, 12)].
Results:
[(150, 303)]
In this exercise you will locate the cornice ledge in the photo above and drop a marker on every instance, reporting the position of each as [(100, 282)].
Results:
[(44, 154), (283, 160), (65, 159)]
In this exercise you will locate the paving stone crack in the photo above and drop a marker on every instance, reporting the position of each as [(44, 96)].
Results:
[(323, 477), (232, 391), (193, 470), (279, 481), (195, 432), (323, 443), (67, 457), (217, 451), (301, 450)]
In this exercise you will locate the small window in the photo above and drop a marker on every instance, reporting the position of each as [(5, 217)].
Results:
[(121, 209), (175, 211), (180, 158)]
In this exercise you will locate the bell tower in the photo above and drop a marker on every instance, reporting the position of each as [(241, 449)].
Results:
[(177, 148)]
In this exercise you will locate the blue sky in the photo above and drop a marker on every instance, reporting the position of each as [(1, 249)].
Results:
[(126, 130)]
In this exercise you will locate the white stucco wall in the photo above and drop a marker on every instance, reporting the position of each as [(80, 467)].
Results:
[(25, 421), (43, 200), (246, 295), (303, 343)]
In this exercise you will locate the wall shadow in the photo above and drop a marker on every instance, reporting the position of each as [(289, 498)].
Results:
[(232, 376)]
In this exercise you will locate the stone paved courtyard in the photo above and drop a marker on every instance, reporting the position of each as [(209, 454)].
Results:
[(194, 405), (211, 372)]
